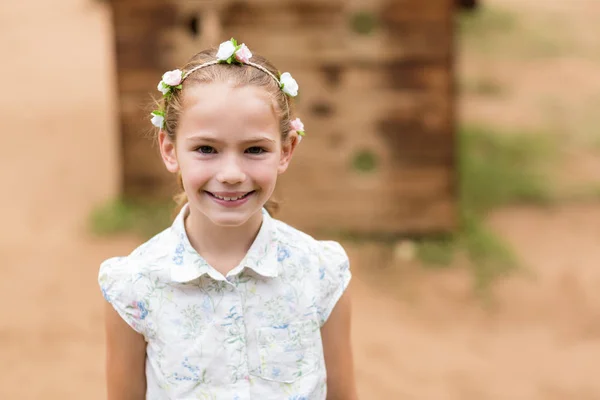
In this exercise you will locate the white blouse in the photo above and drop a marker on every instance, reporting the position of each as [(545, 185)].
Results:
[(253, 334)]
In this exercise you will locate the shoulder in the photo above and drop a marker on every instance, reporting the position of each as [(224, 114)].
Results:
[(323, 252), (127, 282), (323, 262), (149, 259)]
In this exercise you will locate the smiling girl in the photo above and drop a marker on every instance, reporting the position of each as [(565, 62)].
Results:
[(228, 302)]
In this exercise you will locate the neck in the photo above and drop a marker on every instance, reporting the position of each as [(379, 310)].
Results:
[(223, 247)]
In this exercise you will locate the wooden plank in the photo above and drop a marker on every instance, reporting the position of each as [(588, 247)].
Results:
[(400, 75), (294, 15), (368, 212), (141, 40)]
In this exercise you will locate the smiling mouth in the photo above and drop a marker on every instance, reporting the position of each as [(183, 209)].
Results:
[(230, 198)]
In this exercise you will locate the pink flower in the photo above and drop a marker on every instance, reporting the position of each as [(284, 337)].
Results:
[(173, 78), (297, 125), (243, 54)]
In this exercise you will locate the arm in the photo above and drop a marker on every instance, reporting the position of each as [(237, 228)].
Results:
[(338, 352), (125, 359)]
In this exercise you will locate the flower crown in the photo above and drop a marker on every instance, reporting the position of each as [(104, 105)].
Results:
[(229, 53)]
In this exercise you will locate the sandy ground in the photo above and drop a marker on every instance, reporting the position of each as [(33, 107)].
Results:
[(424, 336)]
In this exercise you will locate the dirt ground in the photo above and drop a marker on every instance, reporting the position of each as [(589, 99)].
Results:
[(424, 337)]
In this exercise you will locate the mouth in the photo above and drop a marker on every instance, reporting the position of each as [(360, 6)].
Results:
[(230, 198)]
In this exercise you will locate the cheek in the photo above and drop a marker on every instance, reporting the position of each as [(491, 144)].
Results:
[(193, 174), (265, 171)]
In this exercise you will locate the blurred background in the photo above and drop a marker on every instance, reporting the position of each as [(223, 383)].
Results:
[(453, 148)]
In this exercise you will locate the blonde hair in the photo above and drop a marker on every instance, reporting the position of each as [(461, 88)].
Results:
[(237, 76)]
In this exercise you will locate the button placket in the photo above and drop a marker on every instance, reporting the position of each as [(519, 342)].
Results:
[(243, 331)]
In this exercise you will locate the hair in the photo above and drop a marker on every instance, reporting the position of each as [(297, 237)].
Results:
[(237, 76)]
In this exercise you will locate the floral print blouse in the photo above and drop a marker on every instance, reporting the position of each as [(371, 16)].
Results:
[(253, 334)]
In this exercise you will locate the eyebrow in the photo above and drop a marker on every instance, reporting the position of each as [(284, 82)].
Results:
[(212, 139)]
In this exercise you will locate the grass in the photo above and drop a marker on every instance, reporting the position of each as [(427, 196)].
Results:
[(128, 216), (486, 22), (485, 87), (495, 169), (500, 168), (498, 31)]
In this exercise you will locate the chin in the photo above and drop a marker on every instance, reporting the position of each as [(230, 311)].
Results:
[(228, 221), (228, 217)]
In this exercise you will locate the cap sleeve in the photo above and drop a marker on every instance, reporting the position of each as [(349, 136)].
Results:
[(334, 277), (116, 279)]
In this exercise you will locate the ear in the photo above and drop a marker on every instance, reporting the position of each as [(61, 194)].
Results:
[(167, 152), (287, 150)]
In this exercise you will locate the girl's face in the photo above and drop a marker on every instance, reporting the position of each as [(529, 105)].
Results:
[(228, 150)]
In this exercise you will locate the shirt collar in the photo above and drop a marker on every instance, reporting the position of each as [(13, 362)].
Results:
[(186, 264)]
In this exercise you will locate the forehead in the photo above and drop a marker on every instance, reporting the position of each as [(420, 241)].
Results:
[(223, 103)]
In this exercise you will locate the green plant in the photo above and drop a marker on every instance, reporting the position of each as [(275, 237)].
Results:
[(483, 87), (363, 22), (498, 31), (485, 22), (490, 256), (138, 217), (500, 168), (495, 169), (436, 252), (364, 161)]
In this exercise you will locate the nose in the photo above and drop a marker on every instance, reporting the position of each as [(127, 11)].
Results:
[(230, 171)]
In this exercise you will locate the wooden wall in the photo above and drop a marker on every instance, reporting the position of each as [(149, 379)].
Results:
[(376, 96)]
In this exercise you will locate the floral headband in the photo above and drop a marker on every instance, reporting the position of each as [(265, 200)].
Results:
[(229, 53)]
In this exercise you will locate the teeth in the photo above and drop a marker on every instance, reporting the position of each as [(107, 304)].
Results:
[(229, 198)]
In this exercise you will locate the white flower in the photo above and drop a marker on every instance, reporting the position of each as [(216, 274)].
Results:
[(173, 78), (161, 88), (157, 120), (226, 50), (290, 86)]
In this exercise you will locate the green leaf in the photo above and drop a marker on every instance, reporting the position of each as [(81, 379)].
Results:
[(180, 86), (234, 42)]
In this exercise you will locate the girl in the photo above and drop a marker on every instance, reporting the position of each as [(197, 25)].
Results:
[(228, 303)]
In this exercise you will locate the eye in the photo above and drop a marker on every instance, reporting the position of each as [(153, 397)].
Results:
[(255, 150), (206, 149)]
